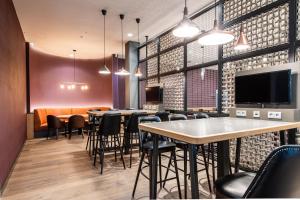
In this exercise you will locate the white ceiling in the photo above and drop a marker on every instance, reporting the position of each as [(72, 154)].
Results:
[(59, 26)]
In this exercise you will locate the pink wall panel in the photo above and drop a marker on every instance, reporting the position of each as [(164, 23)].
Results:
[(12, 88), (48, 71)]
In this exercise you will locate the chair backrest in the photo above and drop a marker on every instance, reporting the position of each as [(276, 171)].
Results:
[(145, 136), (279, 176), (53, 122), (110, 124), (133, 122), (76, 121), (175, 117), (201, 115), (164, 116)]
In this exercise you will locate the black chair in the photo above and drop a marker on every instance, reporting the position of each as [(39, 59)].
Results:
[(184, 147), (76, 122), (55, 124), (278, 177), (93, 124), (201, 115), (164, 146), (109, 130), (132, 132), (164, 116)]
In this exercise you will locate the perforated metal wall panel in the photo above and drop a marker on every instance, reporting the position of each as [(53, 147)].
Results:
[(197, 54), (171, 60), (142, 54), (152, 48), (265, 30), (173, 91), (168, 40), (152, 68)]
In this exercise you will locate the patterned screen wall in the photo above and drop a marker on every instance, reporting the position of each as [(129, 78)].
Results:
[(237, 8), (152, 48), (173, 91), (197, 54), (168, 40), (202, 85), (205, 21), (142, 52), (171, 60), (152, 69), (265, 30)]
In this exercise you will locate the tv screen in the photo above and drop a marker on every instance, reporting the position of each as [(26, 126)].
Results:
[(264, 88), (153, 94)]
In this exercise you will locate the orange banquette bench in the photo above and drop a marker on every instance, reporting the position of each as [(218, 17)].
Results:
[(40, 115)]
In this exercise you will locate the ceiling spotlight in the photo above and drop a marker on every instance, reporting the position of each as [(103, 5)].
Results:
[(129, 34)]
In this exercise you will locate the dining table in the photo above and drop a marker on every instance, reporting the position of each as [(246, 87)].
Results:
[(66, 117), (204, 131)]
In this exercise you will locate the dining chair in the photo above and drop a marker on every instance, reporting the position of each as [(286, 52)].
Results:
[(278, 177), (164, 146), (55, 123), (93, 124), (131, 134), (108, 133), (76, 122)]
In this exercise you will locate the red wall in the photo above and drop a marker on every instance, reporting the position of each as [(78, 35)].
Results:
[(48, 71), (12, 88)]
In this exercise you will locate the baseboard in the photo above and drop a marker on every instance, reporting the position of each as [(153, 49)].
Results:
[(3, 186)]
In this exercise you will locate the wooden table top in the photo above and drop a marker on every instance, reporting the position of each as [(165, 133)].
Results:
[(203, 131), (123, 112)]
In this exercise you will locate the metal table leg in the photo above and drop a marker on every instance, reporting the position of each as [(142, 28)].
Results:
[(193, 171), (223, 161), (292, 136), (153, 168)]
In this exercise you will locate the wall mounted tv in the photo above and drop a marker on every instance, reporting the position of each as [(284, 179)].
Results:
[(154, 94), (264, 88)]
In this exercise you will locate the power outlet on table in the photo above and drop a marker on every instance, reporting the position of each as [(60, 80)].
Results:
[(241, 113), (274, 115)]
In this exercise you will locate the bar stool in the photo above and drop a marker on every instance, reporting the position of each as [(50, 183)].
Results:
[(132, 132), (109, 129), (164, 116), (93, 124), (164, 146), (184, 147)]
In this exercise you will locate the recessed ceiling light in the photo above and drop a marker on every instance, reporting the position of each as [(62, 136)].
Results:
[(31, 44), (129, 34)]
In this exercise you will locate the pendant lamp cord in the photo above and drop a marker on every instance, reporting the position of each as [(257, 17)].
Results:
[(122, 36), (104, 40), (215, 9), (74, 65)]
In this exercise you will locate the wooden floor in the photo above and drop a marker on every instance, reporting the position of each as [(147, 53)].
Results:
[(62, 169)]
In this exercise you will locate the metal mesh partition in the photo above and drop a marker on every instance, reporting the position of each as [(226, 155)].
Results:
[(152, 48), (197, 54), (168, 40), (171, 60), (265, 30), (152, 68), (142, 54), (237, 8), (173, 91)]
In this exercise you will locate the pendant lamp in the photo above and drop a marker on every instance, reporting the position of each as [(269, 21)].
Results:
[(138, 72)]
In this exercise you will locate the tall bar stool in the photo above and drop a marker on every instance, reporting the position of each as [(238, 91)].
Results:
[(76, 122), (184, 147), (93, 124), (164, 146), (131, 133), (109, 129), (55, 124)]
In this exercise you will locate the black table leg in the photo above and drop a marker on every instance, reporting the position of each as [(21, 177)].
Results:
[(292, 136), (223, 159), (193, 171), (153, 175), (282, 138)]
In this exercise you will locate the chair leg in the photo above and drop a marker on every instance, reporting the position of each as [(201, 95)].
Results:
[(160, 173), (57, 132), (131, 141), (115, 148), (48, 134), (176, 172), (96, 149), (101, 156), (213, 163), (237, 155), (138, 174), (121, 152), (88, 140), (185, 171), (70, 134), (168, 168), (206, 167)]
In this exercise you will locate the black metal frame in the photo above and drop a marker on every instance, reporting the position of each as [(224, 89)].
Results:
[(291, 46)]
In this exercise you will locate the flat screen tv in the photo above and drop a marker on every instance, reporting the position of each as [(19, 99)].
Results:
[(154, 94), (264, 88)]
